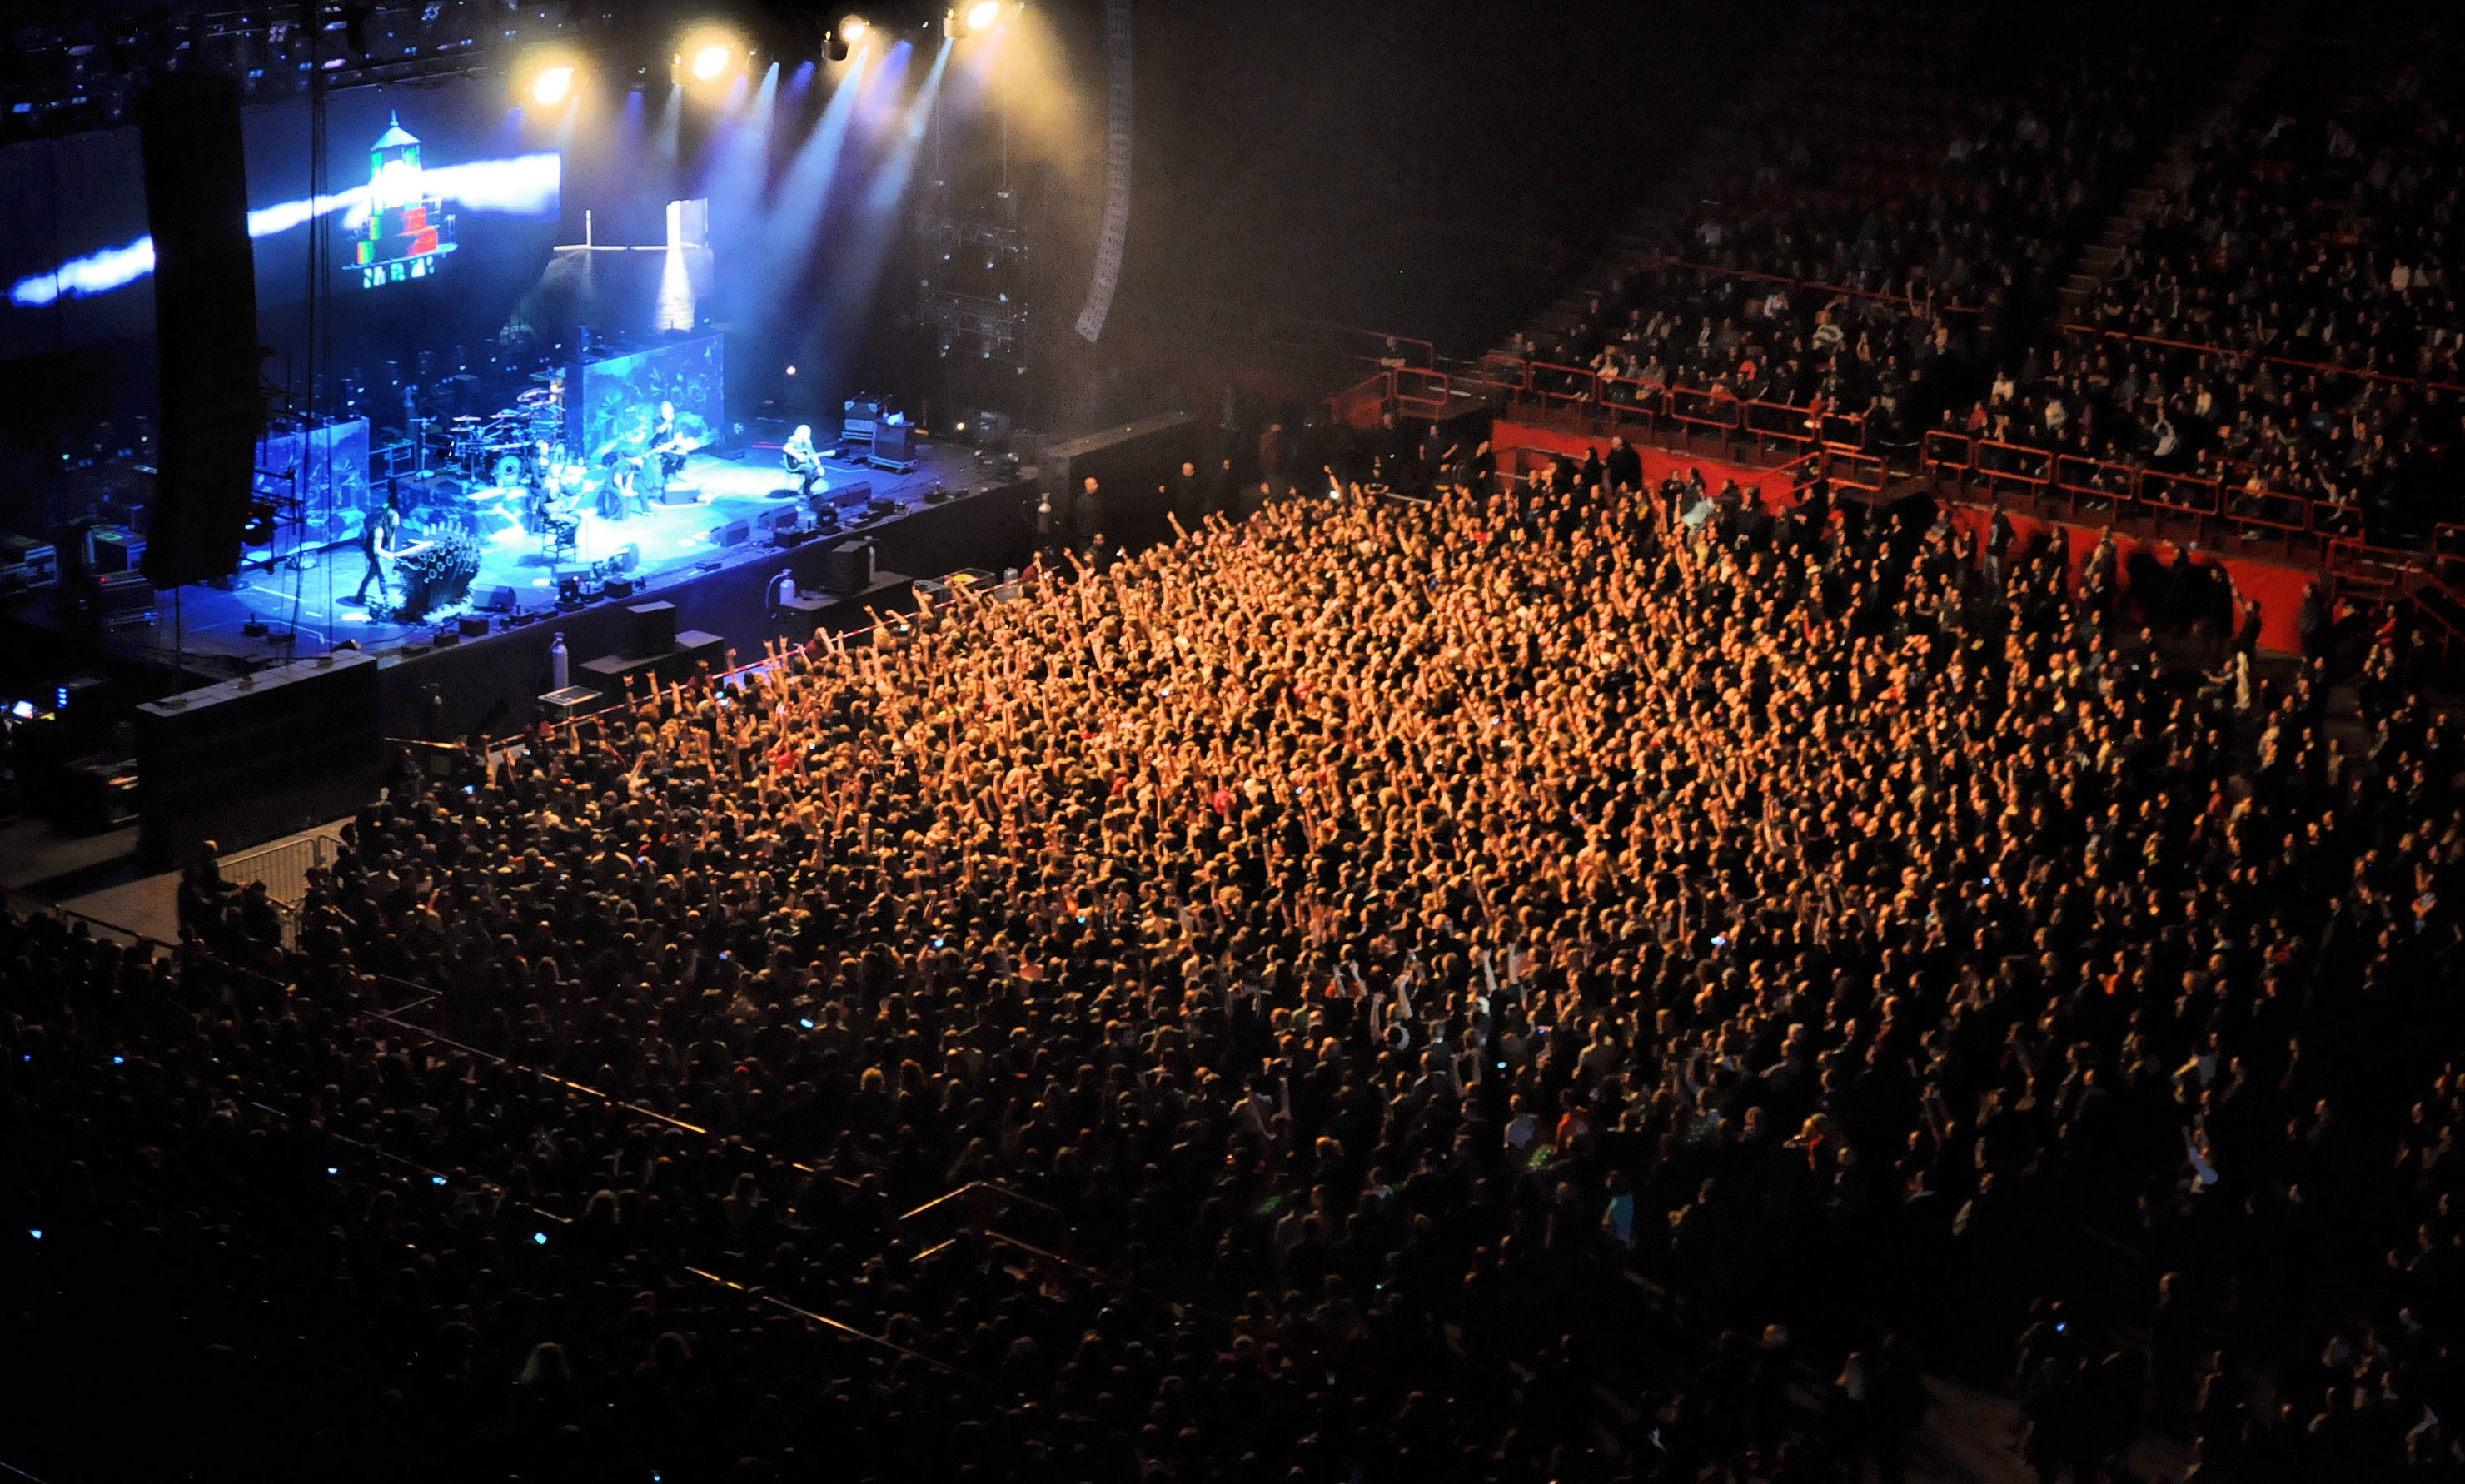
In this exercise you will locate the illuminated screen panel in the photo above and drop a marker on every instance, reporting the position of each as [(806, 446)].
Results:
[(403, 231), (621, 396), (420, 180)]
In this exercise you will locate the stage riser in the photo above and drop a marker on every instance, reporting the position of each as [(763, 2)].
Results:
[(492, 684)]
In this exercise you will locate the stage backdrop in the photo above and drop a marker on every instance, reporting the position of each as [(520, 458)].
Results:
[(621, 396), (333, 472)]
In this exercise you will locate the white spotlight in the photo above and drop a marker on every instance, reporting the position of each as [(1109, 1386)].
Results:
[(552, 86)]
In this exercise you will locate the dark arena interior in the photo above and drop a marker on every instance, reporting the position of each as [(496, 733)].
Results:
[(1089, 742)]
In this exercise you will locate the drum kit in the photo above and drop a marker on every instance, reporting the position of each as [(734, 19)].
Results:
[(480, 446)]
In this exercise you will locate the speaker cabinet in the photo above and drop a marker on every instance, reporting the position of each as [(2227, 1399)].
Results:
[(650, 630), (846, 568), (204, 316)]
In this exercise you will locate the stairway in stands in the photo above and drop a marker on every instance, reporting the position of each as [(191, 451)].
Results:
[(2273, 34)]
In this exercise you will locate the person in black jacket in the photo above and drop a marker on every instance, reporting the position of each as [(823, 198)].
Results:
[(1186, 496), (1623, 469), (1087, 512)]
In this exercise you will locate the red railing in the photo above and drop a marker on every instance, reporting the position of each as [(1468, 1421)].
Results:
[(2087, 486), (1509, 372), (1942, 451), (1410, 392), (1558, 384), (1363, 404), (2015, 466), (1419, 392), (1849, 469), (1697, 406), (2323, 368)]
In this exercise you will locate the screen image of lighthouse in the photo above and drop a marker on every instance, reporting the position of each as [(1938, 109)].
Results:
[(405, 231)]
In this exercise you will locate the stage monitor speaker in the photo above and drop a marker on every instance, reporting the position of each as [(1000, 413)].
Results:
[(779, 520), (732, 532), (628, 558), (204, 319), (679, 494), (895, 442), (853, 495), (650, 630), (858, 414), (846, 568), (499, 599)]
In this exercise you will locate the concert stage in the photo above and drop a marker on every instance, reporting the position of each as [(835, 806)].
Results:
[(719, 586)]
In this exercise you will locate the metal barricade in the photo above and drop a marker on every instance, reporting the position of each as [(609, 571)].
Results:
[(283, 867)]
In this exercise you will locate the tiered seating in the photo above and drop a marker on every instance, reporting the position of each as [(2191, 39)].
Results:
[(1892, 234), (2289, 311)]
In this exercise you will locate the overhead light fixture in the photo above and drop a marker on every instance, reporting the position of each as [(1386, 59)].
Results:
[(551, 85), (709, 55), (979, 17), (546, 76), (849, 33)]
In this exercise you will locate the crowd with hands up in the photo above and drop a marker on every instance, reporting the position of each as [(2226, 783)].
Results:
[(1521, 985)]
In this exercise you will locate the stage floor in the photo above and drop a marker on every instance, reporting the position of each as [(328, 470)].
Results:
[(311, 597)]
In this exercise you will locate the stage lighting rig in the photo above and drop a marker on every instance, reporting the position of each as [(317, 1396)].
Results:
[(972, 18), (710, 57), (548, 79)]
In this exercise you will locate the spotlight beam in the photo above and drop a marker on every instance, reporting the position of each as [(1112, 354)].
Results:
[(799, 204), (852, 299), (740, 167)]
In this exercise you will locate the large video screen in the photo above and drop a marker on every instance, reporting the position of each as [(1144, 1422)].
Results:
[(621, 396), (421, 184)]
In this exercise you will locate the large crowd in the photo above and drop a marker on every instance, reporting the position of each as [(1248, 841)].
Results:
[(1601, 985)]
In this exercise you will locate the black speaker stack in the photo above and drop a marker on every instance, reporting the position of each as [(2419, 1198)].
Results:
[(205, 317)]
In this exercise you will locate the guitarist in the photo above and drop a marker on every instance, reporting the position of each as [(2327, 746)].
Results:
[(667, 444), (798, 456), (377, 533)]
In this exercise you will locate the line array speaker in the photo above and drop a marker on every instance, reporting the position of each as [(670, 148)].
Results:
[(205, 317)]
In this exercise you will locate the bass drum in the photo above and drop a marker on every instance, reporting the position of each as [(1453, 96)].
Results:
[(506, 472)]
